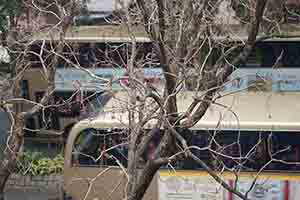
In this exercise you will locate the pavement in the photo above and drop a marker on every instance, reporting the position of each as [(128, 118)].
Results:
[(29, 194), (21, 194)]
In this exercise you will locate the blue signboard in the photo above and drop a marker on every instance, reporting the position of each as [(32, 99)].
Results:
[(72, 79), (264, 79)]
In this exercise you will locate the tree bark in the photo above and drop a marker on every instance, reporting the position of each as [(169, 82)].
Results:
[(144, 181), (4, 175)]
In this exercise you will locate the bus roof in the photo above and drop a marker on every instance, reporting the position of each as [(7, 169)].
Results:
[(240, 111), (121, 34), (96, 34)]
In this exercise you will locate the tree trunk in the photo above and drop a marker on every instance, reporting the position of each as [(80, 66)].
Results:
[(4, 175), (144, 181), (8, 164)]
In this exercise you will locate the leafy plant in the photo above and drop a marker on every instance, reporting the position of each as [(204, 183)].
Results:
[(36, 164), (9, 8)]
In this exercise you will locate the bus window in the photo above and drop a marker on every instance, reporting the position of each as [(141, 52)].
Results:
[(25, 89), (197, 139), (95, 103), (271, 150), (118, 153), (245, 150), (85, 104), (272, 51), (86, 148), (99, 148)]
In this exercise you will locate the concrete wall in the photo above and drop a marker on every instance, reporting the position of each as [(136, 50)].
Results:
[(50, 186), (4, 127)]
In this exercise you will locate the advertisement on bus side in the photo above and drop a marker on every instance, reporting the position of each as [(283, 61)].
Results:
[(197, 186)]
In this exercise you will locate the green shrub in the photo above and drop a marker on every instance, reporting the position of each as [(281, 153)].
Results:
[(36, 164)]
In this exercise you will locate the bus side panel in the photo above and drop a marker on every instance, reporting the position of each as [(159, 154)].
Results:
[(294, 190), (196, 185), (100, 183), (94, 183), (191, 185)]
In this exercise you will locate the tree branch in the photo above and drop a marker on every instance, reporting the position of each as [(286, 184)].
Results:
[(203, 164), (228, 68), (146, 18)]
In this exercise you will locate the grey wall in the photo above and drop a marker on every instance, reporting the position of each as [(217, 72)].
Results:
[(20, 187), (4, 127)]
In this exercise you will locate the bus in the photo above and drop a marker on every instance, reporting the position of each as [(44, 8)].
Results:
[(270, 128), (102, 50), (78, 95)]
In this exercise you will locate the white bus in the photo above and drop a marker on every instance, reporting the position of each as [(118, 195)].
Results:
[(264, 120)]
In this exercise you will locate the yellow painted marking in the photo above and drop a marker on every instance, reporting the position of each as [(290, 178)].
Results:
[(230, 175)]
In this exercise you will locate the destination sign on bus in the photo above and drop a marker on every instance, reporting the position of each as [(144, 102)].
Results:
[(72, 79), (264, 79)]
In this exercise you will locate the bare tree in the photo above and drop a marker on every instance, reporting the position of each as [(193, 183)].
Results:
[(181, 31), (185, 38), (198, 50), (18, 39)]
